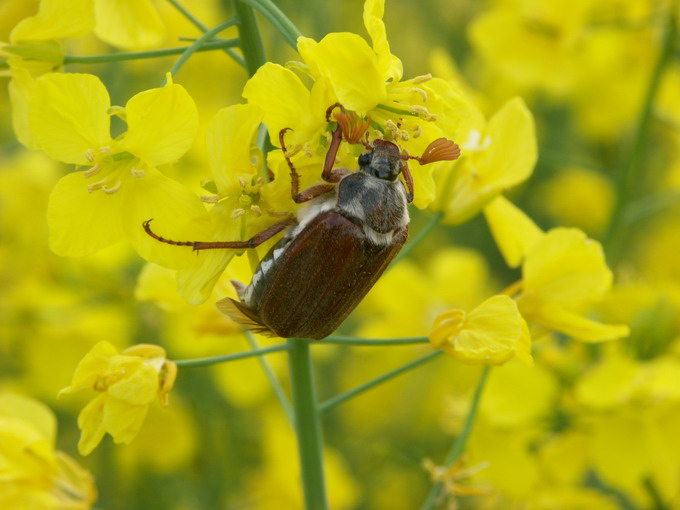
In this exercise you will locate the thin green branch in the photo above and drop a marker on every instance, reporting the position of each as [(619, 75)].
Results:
[(138, 55), (461, 441), (4, 64), (278, 19), (249, 33), (343, 397), (203, 28), (199, 43), (214, 360), (374, 342), (307, 424), (271, 376), (434, 221)]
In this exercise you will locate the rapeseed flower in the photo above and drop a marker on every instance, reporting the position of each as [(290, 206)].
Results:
[(95, 208), (564, 274), (127, 384), (367, 82), (33, 474), (492, 333)]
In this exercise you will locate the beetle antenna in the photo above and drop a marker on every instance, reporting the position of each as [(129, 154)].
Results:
[(442, 149), (148, 230)]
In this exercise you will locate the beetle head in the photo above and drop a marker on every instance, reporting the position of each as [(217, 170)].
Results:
[(383, 161)]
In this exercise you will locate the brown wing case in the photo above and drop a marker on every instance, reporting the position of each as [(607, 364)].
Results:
[(322, 276)]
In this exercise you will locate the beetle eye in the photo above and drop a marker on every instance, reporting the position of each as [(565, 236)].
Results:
[(365, 159)]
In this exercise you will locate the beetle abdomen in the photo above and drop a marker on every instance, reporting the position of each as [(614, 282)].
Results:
[(318, 280)]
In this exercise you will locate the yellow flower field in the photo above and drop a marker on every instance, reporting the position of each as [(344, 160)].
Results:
[(520, 351)]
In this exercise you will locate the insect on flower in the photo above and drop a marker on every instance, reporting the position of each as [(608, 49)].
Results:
[(342, 240)]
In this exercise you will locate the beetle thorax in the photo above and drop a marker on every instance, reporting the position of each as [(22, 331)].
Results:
[(379, 205)]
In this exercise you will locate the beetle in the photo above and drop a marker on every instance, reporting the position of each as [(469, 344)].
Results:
[(344, 237)]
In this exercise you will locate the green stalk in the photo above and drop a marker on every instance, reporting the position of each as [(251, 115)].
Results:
[(214, 360), (461, 441), (343, 397), (307, 424), (375, 342), (630, 185), (278, 19), (249, 33), (276, 385), (138, 55)]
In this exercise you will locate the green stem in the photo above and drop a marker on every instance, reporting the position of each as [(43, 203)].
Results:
[(278, 19), (629, 186), (461, 441), (375, 342), (343, 397), (307, 424), (138, 55), (271, 376), (214, 360), (4, 64), (249, 33), (200, 42), (434, 221), (203, 28)]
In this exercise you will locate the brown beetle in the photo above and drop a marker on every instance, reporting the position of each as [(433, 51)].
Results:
[(343, 239)]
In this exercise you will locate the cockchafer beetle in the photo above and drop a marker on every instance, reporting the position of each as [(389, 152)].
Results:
[(343, 238)]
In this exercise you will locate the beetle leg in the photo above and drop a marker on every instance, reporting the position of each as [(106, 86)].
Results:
[(253, 242), (294, 177), (309, 193), (408, 178), (327, 174)]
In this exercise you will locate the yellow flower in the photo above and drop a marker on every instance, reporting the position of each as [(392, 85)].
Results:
[(90, 210), (367, 82), (494, 159), (127, 384), (32, 473), (492, 333), (563, 275), (245, 203), (35, 49)]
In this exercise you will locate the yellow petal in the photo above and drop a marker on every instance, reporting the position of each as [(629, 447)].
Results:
[(162, 124), (492, 333), (572, 324), (82, 223), (351, 68), (514, 232), (123, 420), (128, 23), (285, 101), (512, 151), (21, 87), (230, 138), (67, 116), (390, 66), (196, 282), (171, 205), (91, 424), (566, 267), (140, 385), (93, 366), (30, 412), (56, 19)]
